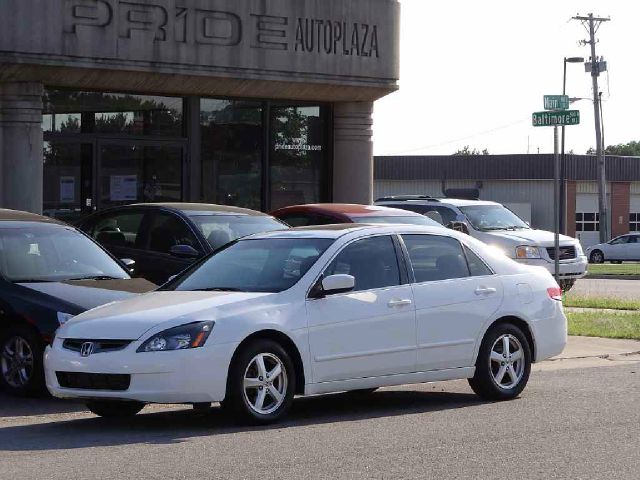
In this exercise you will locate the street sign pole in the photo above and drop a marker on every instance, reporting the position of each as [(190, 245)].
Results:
[(556, 209)]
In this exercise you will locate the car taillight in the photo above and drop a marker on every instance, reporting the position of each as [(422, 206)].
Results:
[(555, 293)]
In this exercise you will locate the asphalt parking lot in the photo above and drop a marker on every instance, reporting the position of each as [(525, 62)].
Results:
[(576, 419)]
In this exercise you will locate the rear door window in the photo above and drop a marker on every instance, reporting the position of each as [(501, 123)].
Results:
[(119, 230), (434, 257)]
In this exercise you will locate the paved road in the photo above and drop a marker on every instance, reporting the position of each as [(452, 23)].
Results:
[(574, 421), (625, 289)]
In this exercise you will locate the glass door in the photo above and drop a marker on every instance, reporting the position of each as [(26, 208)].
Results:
[(68, 178), (138, 171)]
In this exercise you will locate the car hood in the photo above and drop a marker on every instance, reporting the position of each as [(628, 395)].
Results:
[(513, 238), (88, 294), (129, 320)]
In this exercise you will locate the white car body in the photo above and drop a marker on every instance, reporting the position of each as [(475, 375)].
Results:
[(620, 249), (542, 240), (409, 333)]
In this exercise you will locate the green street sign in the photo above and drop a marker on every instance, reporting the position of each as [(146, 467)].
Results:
[(557, 118), (556, 102)]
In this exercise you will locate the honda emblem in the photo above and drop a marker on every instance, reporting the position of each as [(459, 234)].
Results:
[(86, 349)]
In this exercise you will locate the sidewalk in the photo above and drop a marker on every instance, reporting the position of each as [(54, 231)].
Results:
[(588, 352)]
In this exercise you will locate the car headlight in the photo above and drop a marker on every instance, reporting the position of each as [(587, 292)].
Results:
[(63, 317), (191, 335), (579, 251), (526, 252)]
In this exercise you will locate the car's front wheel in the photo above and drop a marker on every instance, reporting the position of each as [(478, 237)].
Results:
[(596, 257), (261, 383), (114, 409), (503, 364), (21, 370)]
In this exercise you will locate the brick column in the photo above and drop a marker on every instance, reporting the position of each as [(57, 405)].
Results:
[(571, 209), (21, 167), (353, 153), (620, 204)]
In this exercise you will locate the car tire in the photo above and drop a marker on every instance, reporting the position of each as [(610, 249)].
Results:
[(114, 408), (21, 362), (596, 257), (567, 285), (252, 396), (500, 374)]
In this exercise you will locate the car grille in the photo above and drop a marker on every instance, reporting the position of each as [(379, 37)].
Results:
[(99, 346), (566, 253), (94, 381)]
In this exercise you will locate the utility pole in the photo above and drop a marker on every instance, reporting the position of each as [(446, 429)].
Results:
[(592, 24)]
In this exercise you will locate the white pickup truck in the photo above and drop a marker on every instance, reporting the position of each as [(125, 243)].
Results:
[(496, 225)]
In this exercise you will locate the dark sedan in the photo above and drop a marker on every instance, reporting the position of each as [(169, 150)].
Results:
[(165, 238), (49, 272)]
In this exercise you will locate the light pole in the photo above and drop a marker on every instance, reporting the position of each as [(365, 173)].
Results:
[(563, 179)]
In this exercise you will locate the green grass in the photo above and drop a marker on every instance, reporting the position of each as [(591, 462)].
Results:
[(595, 302), (613, 269), (601, 324)]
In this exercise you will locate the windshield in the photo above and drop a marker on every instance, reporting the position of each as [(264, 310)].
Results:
[(408, 220), (222, 229), (260, 265), (492, 217), (53, 253)]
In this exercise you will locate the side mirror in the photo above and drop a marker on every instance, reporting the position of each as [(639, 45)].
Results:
[(338, 284), (184, 251), (130, 263), (458, 227)]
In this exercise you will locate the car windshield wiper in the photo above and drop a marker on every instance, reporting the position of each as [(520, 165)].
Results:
[(95, 277), (218, 289)]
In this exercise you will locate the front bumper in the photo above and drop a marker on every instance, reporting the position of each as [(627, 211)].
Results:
[(569, 269), (184, 376)]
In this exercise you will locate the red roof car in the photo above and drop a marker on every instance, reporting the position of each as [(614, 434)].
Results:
[(328, 213)]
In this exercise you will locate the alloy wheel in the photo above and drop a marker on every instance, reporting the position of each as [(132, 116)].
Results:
[(16, 362), (265, 383), (597, 257), (507, 362)]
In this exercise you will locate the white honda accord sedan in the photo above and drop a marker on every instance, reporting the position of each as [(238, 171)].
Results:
[(315, 310)]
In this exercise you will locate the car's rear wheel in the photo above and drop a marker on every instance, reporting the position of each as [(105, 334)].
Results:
[(261, 383), (21, 371), (596, 257), (503, 365), (114, 409), (567, 285)]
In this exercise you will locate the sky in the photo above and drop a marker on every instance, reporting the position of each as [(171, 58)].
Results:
[(473, 72)]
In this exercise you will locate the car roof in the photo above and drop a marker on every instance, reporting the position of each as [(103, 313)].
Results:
[(349, 209), (456, 202), (7, 215), (200, 208), (341, 229)]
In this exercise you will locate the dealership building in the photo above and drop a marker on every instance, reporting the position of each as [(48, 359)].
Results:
[(525, 184), (252, 103)]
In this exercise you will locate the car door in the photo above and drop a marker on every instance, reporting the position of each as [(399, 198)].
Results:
[(455, 294), (617, 249), (370, 331), (633, 252), (166, 230), (121, 233)]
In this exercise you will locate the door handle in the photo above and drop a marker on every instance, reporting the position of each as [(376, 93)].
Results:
[(399, 303), (485, 291)]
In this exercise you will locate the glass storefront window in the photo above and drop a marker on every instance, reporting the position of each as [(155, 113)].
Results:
[(139, 173), (297, 157), (113, 113), (232, 137)]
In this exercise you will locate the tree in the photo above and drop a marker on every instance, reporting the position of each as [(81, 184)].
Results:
[(631, 149), (468, 151)]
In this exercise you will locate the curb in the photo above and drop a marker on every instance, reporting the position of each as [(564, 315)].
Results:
[(612, 277)]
